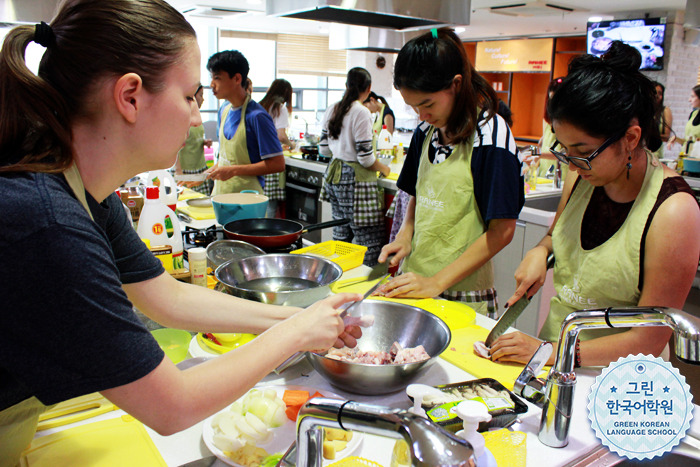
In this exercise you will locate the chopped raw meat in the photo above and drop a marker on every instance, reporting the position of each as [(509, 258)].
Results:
[(481, 350), (361, 321), (397, 355)]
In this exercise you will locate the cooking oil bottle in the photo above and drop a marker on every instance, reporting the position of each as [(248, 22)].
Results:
[(155, 221)]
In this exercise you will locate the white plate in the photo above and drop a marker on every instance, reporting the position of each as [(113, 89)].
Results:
[(196, 350), (283, 436)]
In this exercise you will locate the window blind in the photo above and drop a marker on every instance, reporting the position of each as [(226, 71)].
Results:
[(309, 55)]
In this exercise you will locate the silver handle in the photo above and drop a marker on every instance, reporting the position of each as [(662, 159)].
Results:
[(294, 186)]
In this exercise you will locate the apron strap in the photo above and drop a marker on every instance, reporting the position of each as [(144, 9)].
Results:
[(76, 184)]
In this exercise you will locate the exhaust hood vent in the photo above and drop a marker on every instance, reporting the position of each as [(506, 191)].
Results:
[(212, 12), (391, 14), (534, 8), (23, 11), (348, 37)]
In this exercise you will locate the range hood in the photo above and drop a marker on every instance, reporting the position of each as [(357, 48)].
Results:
[(349, 37), (391, 14)]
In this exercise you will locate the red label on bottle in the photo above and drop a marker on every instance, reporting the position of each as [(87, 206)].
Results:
[(157, 229)]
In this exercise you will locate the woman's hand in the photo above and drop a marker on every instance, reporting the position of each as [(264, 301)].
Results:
[(384, 169), (514, 347), (530, 275), (399, 248), (412, 285), (221, 173), (319, 327)]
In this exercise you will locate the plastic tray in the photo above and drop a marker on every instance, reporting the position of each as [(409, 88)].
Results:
[(499, 417), (346, 255)]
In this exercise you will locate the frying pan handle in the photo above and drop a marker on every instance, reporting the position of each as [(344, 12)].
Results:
[(324, 225)]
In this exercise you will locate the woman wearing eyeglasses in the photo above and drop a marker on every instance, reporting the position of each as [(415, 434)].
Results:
[(627, 231)]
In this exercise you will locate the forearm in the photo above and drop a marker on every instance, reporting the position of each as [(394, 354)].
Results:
[(497, 236), (603, 350), (184, 306), (169, 400), (267, 166)]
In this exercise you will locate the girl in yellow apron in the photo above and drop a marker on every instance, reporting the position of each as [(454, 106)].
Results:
[(384, 115), (692, 127), (350, 181), (549, 163), (627, 232), (462, 172)]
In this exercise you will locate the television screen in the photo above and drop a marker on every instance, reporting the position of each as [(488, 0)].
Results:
[(646, 35)]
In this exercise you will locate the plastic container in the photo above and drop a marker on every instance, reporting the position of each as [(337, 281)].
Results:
[(384, 145), (167, 187), (197, 258), (155, 221), (126, 208), (174, 342), (472, 413), (346, 255)]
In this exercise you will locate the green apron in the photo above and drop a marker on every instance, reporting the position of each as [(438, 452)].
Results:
[(447, 218), (18, 423), (548, 139), (690, 129), (192, 155), (368, 196), (607, 275), (234, 151), (659, 153)]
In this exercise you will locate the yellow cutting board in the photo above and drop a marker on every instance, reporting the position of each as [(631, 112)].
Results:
[(198, 213), (455, 314), (108, 443), (74, 410), (460, 353)]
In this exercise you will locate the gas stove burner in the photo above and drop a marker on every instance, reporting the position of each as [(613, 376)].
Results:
[(285, 249), (201, 237)]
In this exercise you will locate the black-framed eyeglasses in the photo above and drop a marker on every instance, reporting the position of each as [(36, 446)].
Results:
[(584, 162)]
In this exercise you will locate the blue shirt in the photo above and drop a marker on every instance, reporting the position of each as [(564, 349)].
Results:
[(261, 135), (496, 168)]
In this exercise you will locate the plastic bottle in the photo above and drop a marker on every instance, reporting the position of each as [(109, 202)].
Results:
[(384, 145), (166, 185), (471, 413), (197, 258), (153, 224)]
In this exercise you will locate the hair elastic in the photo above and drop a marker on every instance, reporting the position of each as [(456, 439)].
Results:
[(434, 33), (43, 35)]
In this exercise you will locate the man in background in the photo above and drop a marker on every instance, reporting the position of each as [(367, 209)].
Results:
[(248, 145)]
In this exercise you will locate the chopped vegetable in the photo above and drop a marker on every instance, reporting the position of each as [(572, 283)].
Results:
[(294, 400)]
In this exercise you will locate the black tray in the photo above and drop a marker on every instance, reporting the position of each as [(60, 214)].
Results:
[(499, 417)]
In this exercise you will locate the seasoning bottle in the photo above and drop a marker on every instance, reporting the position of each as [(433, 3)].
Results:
[(154, 221), (197, 258)]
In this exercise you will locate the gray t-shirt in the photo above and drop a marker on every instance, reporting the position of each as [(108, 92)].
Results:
[(68, 327)]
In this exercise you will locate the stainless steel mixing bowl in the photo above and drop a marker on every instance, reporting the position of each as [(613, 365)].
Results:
[(279, 279), (393, 322)]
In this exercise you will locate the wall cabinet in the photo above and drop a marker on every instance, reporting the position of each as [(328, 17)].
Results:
[(526, 93)]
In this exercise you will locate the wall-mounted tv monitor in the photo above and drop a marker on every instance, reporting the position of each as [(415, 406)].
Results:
[(646, 35)]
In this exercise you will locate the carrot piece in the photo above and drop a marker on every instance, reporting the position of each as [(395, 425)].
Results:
[(293, 397), (292, 412), (316, 394)]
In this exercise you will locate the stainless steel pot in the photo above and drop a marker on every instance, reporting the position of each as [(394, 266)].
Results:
[(393, 322), (279, 279)]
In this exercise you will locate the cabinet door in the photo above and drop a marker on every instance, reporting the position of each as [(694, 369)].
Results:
[(505, 263)]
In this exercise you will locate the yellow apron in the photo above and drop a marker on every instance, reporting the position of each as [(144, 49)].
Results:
[(690, 129), (447, 219), (368, 196), (192, 155), (607, 275), (377, 126), (18, 423), (234, 151)]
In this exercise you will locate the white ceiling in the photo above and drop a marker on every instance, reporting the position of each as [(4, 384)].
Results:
[(484, 23)]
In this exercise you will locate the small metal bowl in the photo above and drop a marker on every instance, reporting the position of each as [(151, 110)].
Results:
[(222, 251), (393, 322), (280, 279)]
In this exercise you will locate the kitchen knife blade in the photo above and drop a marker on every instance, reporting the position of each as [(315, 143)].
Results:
[(506, 320), (381, 269), (367, 294)]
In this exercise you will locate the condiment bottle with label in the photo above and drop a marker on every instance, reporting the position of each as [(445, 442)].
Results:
[(197, 257), (384, 145), (155, 221)]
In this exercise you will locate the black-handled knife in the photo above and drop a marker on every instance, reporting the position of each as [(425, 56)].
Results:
[(512, 313)]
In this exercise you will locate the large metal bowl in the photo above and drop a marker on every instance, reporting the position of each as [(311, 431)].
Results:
[(393, 322), (279, 279)]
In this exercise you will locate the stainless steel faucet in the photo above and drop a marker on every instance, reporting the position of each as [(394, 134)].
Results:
[(559, 389), (557, 174), (428, 444)]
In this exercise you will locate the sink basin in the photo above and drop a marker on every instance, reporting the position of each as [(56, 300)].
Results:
[(544, 203)]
